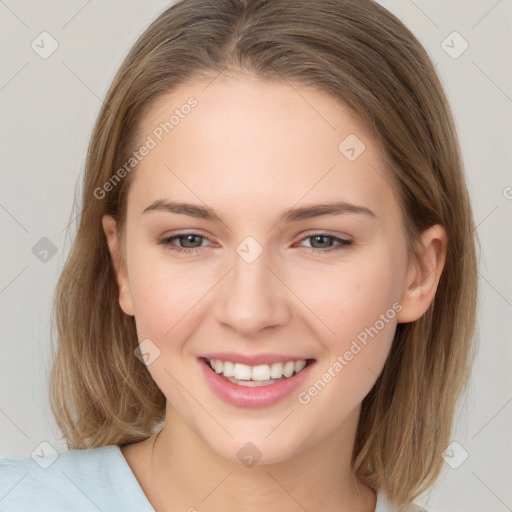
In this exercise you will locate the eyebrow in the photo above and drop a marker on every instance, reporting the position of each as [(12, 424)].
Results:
[(289, 215)]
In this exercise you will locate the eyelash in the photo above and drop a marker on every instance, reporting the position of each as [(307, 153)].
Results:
[(342, 243)]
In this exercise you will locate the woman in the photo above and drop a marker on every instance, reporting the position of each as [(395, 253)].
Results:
[(270, 300)]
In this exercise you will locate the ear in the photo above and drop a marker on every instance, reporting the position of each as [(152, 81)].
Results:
[(114, 246), (423, 274)]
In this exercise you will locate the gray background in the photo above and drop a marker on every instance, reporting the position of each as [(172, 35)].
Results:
[(48, 107)]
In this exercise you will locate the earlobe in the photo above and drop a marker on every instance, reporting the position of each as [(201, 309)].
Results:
[(114, 246), (424, 274)]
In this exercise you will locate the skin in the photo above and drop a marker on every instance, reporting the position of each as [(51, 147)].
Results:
[(250, 150)]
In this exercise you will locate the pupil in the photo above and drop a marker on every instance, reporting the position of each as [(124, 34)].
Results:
[(189, 238), (319, 237)]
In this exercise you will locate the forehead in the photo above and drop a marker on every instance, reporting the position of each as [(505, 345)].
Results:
[(249, 142)]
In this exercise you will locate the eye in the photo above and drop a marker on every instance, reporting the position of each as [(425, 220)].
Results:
[(191, 242), (327, 242)]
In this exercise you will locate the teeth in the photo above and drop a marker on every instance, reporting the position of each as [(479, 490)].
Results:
[(218, 366), (260, 373), (242, 372), (229, 369), (276, 370), (299, 365), (288, 369)]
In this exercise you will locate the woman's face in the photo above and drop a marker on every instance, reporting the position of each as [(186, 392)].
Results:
[(269, 271)]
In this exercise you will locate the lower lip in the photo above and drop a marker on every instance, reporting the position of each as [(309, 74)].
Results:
[(252, 397)]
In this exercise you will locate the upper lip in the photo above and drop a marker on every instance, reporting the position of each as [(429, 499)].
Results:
[(253, 359)]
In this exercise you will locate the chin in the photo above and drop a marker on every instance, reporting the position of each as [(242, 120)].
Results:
[(257, 450)]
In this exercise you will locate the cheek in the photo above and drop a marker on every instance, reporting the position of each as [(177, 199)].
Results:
[(166, 295), (360, 303), (351, 297), (168, 301)]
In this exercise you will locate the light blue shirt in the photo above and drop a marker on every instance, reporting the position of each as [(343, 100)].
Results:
[(97, 479)]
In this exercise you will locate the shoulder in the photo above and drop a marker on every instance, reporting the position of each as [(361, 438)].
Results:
[(416, 508), (383, 505), (79, 480)]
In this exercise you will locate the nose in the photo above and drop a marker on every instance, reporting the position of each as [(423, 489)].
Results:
[(252, 298)]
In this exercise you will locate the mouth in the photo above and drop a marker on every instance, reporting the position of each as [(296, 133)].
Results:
[(254, 386), (258, 375)]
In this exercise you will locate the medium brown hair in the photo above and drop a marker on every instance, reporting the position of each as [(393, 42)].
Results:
[(362, 55)]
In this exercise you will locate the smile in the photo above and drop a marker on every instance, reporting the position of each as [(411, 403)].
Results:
[(253, 376), (254, 386)]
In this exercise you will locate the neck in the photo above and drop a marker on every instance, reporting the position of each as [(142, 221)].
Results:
[(179, 471)]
